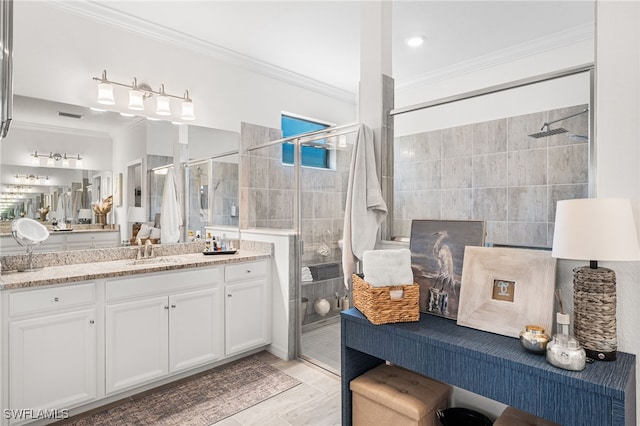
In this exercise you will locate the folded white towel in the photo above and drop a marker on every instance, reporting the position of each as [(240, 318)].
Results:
[(387, 267)]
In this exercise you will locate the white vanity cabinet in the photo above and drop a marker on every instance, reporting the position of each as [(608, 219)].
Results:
[(247, 308), (161, 324), (52, 335)]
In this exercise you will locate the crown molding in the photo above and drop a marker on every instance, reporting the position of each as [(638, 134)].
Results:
[(530, 48), (117, 19)]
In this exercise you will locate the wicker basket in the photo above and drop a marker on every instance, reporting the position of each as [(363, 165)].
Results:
[(376, 303)]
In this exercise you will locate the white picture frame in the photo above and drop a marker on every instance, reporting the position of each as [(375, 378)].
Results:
[(504, 289)]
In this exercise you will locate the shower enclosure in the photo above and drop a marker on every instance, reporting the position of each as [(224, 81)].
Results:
[(310, 202), (211, 192)]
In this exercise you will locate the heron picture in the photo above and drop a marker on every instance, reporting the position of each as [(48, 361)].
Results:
[(437, 255)]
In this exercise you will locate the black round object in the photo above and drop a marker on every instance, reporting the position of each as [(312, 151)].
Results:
[(458, 416)]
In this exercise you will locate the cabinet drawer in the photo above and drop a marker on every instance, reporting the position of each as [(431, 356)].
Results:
[(45, 299), (245, 271), (165, 282)]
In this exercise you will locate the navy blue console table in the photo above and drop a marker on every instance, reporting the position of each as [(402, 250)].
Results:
[(491, 365)]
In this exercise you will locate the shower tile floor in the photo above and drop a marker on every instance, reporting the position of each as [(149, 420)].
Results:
[(322, 346)]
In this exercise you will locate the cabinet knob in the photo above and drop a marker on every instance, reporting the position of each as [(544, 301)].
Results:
[(229, 295), (92, 322), (173, 306), (248, 271), (166, 307), (55, 299)]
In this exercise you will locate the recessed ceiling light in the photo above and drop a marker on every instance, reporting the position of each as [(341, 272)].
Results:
[(415, 41)]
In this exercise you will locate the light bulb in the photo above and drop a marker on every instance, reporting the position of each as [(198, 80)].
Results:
[(136, 98), (79, 163), (162, 103), (35, 161), (105, 94), (187, 108), (50, 160), (65, 161)]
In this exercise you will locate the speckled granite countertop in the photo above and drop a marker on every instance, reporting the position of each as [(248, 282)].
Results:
[(120, 268), (113, 265)]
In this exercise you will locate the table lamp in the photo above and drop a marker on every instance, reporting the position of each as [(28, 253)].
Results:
[(595, 229), (138, 216)]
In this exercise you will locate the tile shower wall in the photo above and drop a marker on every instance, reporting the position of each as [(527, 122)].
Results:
[(493, 171), (267, 202), (269, 193)]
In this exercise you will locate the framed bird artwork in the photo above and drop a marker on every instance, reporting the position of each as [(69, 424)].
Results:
[(437, 256)]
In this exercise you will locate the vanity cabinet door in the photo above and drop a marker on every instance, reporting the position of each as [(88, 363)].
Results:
[(246, 316), (195, 328), (53, 361), (136, 342)]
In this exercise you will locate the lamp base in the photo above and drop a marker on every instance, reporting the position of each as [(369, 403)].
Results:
[(594, 308)]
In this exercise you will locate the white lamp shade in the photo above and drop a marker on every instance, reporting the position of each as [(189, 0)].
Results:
[(187, 111), (105, 94), (162, 105), (136, 98), (137, 214), (35, 161), (79, 163), (600, 229)]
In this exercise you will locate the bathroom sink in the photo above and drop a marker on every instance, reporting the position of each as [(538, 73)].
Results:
[(152, 261)]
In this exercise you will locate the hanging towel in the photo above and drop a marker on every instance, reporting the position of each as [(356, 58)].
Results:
[(170, 216), (365, 208), (59, 213)]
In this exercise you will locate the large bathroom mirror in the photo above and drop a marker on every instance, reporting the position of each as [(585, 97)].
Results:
[(492, 157), (509, 169), (52, 131)]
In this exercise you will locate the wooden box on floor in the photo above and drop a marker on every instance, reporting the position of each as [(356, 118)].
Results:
[(377, 305), (512, 417), (390, 395)]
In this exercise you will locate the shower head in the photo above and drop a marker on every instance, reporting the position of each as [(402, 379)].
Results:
[(548, 132)]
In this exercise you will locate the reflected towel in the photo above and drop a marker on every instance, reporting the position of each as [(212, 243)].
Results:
[(365, 208), (387, 267), (170, 215)]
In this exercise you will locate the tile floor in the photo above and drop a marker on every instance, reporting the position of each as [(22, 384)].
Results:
[(322, 344), (315, 401)]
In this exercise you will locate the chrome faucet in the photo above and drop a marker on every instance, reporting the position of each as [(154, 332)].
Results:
[(148, 249)]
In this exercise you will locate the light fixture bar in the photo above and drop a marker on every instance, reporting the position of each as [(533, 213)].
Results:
[(104, 79)]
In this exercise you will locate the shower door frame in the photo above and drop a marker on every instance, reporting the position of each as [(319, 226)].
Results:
[(303, 139)]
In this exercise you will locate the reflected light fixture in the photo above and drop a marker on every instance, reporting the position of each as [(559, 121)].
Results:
[(50, 160), (54, 157), (79, 163), (36, 160), (105, 90), (139, 92), (65, 161)]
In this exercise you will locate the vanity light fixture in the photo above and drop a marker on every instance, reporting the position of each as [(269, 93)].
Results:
[(31, 179), (139, 93), (54, 157)]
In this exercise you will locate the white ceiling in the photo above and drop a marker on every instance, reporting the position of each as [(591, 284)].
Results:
[(321, 39)]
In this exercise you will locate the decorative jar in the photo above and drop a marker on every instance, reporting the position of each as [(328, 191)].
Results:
[(534, 339)]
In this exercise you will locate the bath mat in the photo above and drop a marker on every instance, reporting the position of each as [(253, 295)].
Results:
[(203, 400)]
